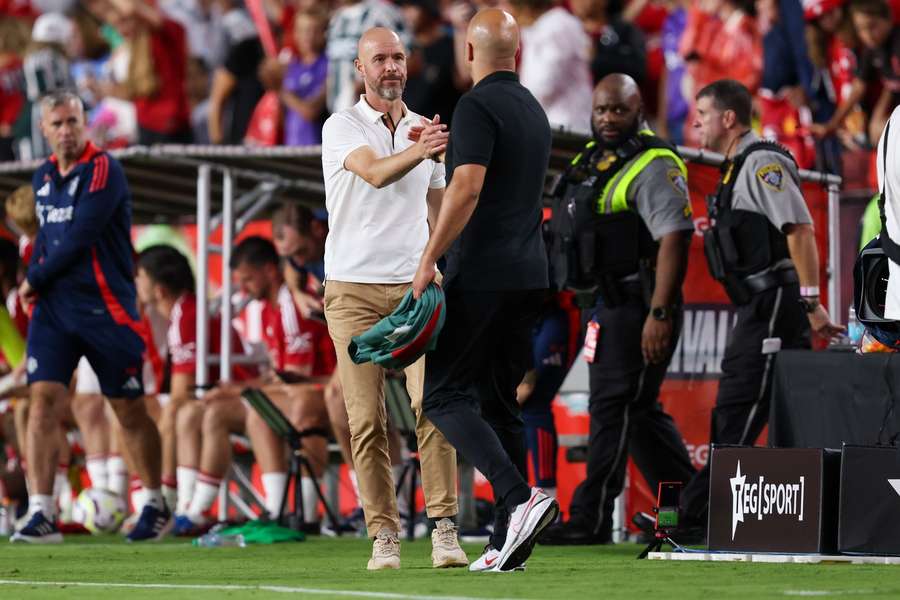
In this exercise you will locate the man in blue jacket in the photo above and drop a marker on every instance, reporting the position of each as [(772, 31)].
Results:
[(81, 284)]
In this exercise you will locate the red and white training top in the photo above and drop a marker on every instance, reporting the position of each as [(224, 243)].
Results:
[(295, 344), (182, 338)]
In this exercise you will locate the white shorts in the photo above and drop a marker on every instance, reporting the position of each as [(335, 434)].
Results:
[(86, 382)]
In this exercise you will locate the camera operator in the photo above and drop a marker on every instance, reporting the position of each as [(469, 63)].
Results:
[(889, 183)]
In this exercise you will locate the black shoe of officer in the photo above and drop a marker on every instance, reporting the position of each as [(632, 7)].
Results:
[(574, 532)]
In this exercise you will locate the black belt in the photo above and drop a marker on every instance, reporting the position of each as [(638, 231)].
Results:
[(771, 279)]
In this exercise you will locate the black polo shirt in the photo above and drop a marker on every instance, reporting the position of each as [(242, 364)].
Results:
[(500, 125)]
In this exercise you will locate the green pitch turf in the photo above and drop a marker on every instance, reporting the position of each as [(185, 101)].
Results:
[(335, 568)]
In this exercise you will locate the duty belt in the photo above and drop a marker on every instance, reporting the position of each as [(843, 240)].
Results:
[(767, 280)]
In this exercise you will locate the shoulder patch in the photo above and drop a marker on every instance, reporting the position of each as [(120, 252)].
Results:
[(676, 178), (772, 175)]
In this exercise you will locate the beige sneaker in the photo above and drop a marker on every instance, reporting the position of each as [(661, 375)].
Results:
[(385, 551), (445, 550)]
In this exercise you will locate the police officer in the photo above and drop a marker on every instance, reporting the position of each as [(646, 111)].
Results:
[(622, 227), (762, 248)]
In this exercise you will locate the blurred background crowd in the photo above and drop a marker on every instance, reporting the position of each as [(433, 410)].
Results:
[(825, 73)]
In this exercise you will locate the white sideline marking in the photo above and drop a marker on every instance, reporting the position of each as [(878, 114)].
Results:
[(235, 588), (826, 592)]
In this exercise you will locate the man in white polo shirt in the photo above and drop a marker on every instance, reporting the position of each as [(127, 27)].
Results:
[(380, 189)]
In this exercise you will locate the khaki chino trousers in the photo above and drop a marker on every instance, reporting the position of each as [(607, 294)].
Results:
[(351, 309)]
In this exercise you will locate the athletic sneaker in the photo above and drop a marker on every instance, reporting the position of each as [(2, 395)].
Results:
[(153, 524), (385, 551), (186, 527), (488, 561), (445, 550), (525, 523), (38, 530)]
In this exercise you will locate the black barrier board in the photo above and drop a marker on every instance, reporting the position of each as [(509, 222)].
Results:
[(773, 499), (869, 516)]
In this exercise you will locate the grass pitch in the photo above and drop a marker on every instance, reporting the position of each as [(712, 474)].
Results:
[(107, 568)]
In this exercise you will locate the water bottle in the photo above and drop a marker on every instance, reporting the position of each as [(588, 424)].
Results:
[(855, 329), (217, 540)]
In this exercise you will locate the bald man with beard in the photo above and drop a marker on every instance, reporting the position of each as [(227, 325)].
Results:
[(496, 281), (380, 188), (632, 186)]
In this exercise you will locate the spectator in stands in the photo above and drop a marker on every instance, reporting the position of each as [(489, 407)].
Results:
[(618, 45), (879, 63), (198, 99), (303, 88), (157, 71), (672, 108), (831, 44), (287, 17), (46, 70), (236, 88), (786, 79), (202, 23), (434, 83), (721, 41), (346, 27), (554, 62), (113, 121), (90, 56), (13, 38)]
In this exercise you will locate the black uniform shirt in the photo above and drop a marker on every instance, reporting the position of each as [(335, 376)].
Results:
[(499, 124)]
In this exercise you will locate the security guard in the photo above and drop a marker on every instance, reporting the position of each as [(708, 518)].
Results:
[(622, 225), (761, 247)]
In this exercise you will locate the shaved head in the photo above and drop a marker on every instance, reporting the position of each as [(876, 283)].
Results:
[(381, 60), (493, 38), (617, 109), (374, 39), (621, 87)]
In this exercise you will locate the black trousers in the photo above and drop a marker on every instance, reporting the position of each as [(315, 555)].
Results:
[(471, 377), (745, 387), (626, 416)]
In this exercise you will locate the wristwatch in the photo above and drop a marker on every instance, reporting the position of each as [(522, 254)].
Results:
[(809, 304), (661, 313)]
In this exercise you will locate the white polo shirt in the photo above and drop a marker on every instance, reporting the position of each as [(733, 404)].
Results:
[(375, 236), (890, 183)]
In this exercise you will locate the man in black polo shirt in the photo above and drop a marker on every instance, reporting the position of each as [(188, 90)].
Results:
[(496, 279)]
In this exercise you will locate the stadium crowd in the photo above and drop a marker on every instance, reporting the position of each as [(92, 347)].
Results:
[(823, 75), (822, 72)]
